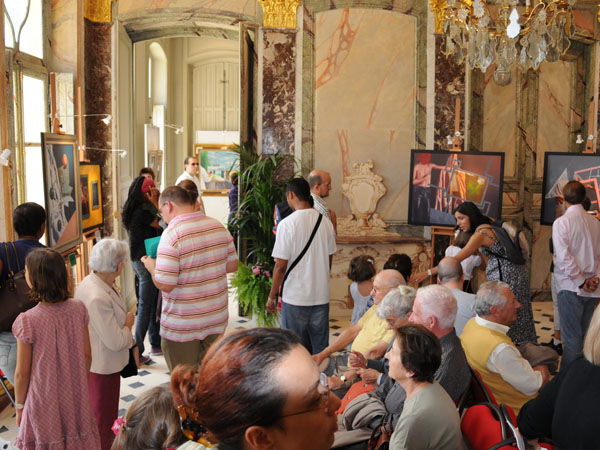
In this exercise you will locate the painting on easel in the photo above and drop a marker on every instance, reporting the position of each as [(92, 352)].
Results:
[(441, 181), (559, 168)]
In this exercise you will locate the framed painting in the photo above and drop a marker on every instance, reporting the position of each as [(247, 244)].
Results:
[(561, 167), (62, 191), (440, 181), (90, 176), (217, 162)]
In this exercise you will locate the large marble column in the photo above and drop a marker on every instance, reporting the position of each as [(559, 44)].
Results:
[(97, 57)]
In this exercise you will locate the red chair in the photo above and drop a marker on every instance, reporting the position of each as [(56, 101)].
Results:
[(483, 427), (3, 380), (478, 392)]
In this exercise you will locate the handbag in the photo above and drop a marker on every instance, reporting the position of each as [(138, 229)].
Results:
[(302, 253), (380, 439), (131, 369), (14, 292)]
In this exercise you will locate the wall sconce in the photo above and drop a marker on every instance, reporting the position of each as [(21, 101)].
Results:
[(178, 128), (106, 120), (579, 139)]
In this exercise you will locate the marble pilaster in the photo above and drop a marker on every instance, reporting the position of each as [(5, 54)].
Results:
[(449, 86), (277, 75), (98, 100)]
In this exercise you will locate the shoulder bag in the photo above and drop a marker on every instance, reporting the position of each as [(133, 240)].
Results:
[(302, 253), (14, 292)]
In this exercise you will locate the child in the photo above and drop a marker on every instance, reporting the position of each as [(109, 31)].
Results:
[(151, 422), (53, 360), (400, 262), (468, 264), (361, 272)]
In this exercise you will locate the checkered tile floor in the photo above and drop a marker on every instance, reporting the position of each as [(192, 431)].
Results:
[(156, 373)]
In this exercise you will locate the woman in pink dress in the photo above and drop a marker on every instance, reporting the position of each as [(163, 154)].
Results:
[(53, 359)]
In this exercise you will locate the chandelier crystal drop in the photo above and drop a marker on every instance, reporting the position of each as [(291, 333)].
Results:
[(504, 32)]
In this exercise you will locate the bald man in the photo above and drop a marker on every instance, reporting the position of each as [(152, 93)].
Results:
[(370, 335), (450, 275), (320, 185)]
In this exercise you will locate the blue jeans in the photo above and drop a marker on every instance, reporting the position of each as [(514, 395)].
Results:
[(146, 311), (575, 315), (8, 355), (310, 323)]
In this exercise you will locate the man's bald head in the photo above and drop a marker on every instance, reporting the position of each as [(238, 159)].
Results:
[(385, 281), (320, 182), (449, 269)]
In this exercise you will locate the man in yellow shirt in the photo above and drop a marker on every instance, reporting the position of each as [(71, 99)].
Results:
[(370, 335)]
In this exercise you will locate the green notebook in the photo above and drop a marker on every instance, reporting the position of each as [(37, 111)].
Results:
[(152, 246)]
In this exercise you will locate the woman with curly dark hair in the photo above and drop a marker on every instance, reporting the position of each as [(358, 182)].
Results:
[(140, 219)]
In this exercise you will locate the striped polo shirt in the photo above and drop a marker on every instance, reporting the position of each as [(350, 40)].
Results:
[(192, 255)]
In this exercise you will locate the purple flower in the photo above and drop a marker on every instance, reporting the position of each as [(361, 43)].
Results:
[(267, 274), (256, 270)]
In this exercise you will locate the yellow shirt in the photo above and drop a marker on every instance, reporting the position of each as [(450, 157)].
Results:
[(373, 331)]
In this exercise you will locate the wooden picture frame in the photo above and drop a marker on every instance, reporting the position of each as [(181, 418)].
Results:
[(62, 192), (90, 179), (217, 161)]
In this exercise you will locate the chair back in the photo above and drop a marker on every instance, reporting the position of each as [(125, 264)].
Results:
[(483, 427)]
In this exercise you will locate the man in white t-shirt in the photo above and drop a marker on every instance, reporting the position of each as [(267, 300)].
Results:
[(192, 169), (305, 293), (450, 275)]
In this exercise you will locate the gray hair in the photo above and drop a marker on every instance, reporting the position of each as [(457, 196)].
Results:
[(490, 293), (439, 302), (397, 302), (107, 254), (449, 269)]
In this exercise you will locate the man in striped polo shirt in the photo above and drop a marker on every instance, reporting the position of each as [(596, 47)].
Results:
[(194, 255)]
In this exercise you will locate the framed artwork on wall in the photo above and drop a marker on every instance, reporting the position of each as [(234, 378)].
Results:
[(62, 191), (561, 167), (217, 161), (440, 181), (90, 176)]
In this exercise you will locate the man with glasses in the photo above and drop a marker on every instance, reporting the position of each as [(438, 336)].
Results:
[(191, 172)]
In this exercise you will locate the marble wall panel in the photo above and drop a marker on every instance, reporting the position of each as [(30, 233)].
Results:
[(500, 120), (278, 91), (63, 32), (540, 262), (449, 86), (554, 110), (366, 100), (246, 7)]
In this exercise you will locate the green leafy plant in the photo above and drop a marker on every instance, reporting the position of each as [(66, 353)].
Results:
[(261, 182)]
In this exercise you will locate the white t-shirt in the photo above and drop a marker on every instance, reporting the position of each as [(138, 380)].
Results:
[(468, 264), (308, 282)]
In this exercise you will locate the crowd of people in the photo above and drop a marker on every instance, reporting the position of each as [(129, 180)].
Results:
[(393, 377)]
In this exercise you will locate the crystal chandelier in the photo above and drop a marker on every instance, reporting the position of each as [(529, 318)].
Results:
[(504, 32)]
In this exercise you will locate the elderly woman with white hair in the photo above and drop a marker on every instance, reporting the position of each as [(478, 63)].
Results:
[(110, 331)]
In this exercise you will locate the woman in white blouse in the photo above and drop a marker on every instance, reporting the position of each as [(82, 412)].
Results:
[(110, 331)]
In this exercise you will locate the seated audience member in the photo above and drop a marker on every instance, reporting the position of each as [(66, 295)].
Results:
[(468, 264), (370, 335), (147, 172), (429, 419), (256, 389), (110, 331), (150, 423), (400, 262), (566, 410), (29, 222), (450, 275), (361, 272), (491, 352), (191, 187)]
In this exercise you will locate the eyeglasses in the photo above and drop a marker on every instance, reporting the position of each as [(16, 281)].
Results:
[(194, 164), (324, 391)]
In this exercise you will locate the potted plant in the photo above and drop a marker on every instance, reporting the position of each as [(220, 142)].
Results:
[(261, 182)]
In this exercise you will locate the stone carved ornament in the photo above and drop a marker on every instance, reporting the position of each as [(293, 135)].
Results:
[(363, 189)]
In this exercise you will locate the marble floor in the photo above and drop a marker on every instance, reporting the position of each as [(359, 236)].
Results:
[(156, 372)]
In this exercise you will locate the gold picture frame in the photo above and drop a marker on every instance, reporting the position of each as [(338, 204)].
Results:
[(217, 161)]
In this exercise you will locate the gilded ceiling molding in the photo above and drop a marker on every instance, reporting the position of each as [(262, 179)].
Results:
[(279, 13), (98, 10)]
